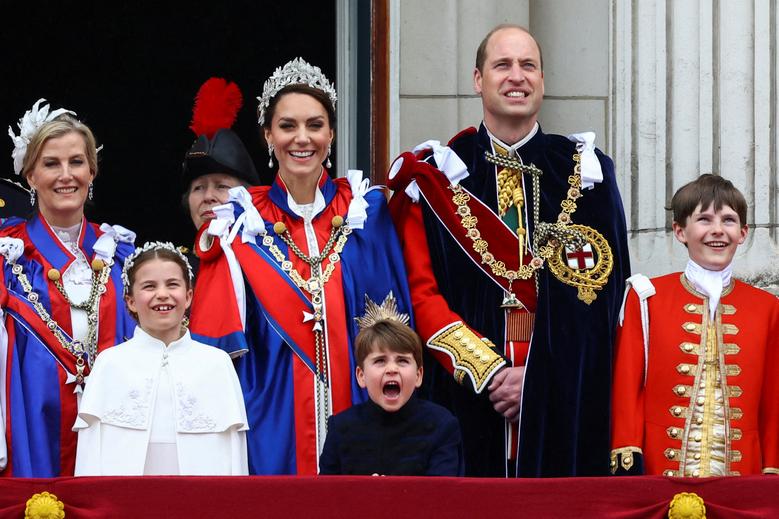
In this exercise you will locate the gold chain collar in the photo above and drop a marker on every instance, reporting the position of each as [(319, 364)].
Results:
[(339, 233), (75, 347), (549, 239), (546, 237)]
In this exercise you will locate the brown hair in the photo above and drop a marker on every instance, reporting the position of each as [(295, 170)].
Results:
[(481, 52), (706, 190), (58, 127), (163, 254), (389, 334), (298, 88)]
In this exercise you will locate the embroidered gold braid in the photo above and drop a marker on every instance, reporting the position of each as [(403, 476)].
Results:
[(471, 354), (623, 457)]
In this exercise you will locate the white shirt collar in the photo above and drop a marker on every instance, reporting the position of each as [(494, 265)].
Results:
[(307, 211), (512, 148), (710, 283)]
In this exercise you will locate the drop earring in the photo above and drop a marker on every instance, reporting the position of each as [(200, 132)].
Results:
[(91, 192), (270, 155), (32, 196), (329, 164)]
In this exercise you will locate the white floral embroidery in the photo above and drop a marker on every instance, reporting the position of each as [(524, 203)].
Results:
[(189, 419), (133, 411)]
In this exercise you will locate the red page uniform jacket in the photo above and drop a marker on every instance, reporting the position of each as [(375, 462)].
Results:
[(703, 398)]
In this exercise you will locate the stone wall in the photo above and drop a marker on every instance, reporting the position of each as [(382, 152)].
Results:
[(672, 89)]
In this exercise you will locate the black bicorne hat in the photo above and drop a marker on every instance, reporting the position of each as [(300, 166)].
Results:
[(217, 149), (223, 153)]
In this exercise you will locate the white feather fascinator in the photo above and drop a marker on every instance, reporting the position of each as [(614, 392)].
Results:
[(30, 122)]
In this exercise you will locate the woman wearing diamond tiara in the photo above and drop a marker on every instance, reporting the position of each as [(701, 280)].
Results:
[(60, 294), (284, 271), (161, 403)]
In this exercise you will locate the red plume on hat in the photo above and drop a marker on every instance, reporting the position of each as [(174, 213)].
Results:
[(216, 107)]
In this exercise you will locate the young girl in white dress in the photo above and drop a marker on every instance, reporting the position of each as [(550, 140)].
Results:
[(161, 403)]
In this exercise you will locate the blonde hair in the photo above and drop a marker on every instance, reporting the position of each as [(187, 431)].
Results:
[(60, 126)]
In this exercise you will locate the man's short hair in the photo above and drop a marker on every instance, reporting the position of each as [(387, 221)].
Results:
[(387, 334), (706, 190), (481, 52)]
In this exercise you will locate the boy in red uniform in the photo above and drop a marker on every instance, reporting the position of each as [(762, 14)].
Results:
[(695, 390)]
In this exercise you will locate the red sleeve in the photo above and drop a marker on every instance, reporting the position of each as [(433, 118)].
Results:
[(215, 316), (431, 311), (769, 398), (627, 395)]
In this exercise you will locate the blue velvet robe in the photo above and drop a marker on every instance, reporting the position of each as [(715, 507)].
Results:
[(40, 399), (564, 419), (277, 369)]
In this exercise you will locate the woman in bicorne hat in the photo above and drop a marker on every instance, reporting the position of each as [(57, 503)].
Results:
[(217, 160), (60, 294), (286, 271)]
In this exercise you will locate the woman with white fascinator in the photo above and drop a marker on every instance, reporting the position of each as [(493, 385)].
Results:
[(285, 270), (60, 294)]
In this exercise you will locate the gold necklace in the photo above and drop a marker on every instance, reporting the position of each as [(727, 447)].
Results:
[(339, 234), (547, 238), (79, 349)]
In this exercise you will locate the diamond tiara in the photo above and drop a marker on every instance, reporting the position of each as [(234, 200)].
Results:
[(295, 72), (151, 245)]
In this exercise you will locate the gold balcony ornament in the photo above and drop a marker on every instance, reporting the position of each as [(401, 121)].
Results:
[(44, 506), (686, 505)]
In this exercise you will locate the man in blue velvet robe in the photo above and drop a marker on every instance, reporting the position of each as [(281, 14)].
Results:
[(516, 248)]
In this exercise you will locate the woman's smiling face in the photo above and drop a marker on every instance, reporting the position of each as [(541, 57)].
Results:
[(301, 135), (61, 178)]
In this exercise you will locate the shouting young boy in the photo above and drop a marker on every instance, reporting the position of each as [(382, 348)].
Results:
[(393, 433), (695, 390)]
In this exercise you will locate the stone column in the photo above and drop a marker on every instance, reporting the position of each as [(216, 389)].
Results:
[(695, 92)]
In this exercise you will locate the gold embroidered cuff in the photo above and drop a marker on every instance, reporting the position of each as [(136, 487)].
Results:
[(470, 354), (623, 458), (771, 470)]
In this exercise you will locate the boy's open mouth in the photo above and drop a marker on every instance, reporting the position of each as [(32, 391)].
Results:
[(391, 389)]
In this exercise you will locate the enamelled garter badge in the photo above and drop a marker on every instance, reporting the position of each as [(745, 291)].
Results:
[(577, 255)]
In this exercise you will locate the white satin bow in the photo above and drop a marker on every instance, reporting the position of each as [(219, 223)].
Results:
[(591, 171), (224, 217), (446, 160), (250, 221), (11, 248), (357, 214), (105, 246)]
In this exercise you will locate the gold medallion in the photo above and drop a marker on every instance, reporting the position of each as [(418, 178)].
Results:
[(44, 506), (587, 279), (687, 505)]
